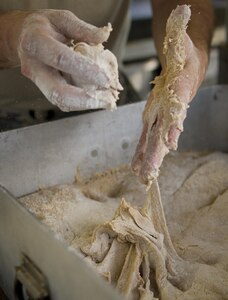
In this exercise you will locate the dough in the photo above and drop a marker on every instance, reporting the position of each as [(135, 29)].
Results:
[(107, 61), (122, 232)]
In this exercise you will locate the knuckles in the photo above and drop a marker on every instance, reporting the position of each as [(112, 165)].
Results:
[(63, 108), (61, 60), (28, 44), (25, 70), (34, 27), (67, 14), (55, 96)]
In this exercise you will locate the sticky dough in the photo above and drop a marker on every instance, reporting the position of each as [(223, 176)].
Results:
[(107, 61), (122, 233)]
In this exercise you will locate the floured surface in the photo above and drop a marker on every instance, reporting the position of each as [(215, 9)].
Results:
[(194, 189)]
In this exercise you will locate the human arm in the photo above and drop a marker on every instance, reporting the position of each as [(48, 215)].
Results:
[(157, 138), (37, 40)]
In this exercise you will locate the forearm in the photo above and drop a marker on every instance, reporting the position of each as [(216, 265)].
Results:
[(200, 26), (10, 28)]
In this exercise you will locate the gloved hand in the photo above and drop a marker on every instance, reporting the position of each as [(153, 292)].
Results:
[(44, 57), (166, 106)]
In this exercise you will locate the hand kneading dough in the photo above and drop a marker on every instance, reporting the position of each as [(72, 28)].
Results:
[(122, 232)]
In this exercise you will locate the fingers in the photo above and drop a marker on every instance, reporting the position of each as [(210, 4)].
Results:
[(111, 67), (58, 92), (156, 140), (57, 55), (181, 16), (140, 150), (150, 151), (154, 154), (41, 44), (174, 43), (102, 57), (173, 137), (74, 28)]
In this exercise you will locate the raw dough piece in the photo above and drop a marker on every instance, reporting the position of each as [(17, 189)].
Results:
[(135, 253), (107, 61)]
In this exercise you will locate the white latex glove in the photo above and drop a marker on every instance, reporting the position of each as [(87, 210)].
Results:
[(44, 55)]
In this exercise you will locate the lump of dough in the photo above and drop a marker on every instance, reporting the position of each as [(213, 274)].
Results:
[(107, 61), (134, 252)]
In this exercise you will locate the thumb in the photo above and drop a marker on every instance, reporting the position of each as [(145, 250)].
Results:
[(75, 28)]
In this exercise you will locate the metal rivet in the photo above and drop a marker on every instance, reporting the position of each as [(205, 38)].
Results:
[(94, 153), (125, 145)]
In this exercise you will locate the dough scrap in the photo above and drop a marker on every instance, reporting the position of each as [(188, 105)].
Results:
[(107, 61)]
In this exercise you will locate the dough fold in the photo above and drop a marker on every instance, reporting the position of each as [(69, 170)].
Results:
[(134, 252)]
